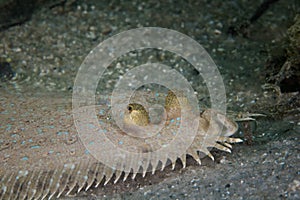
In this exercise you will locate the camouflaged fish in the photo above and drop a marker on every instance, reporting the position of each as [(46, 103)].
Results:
[(42, 156)]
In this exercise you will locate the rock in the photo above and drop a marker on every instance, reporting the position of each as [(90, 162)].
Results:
[(6, 72), (283, 69)]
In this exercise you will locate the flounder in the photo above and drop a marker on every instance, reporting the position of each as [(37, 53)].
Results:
[(42, 155)]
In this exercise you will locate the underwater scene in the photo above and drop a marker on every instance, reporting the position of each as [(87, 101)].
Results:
[(149, 99)]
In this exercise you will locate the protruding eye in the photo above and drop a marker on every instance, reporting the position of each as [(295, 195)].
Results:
[(129, 108)]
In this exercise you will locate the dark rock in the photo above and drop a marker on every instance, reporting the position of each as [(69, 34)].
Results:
[(283, 69), (16, 12), (6, 72)]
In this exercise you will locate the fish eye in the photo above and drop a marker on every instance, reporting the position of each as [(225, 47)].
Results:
[(129, 108)]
